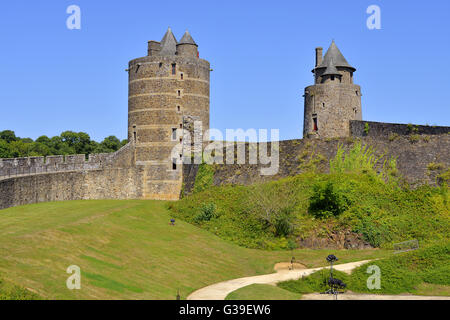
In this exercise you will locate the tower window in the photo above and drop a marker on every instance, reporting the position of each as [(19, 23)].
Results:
[(323, 104), (332, 78), (179, 92), (174, 164), (160, 64), (178, 108), (174, 68), (181, 76), (134, 134), (315, 128), (174, 134)]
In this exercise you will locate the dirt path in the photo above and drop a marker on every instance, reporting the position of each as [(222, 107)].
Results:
[(220, 290)]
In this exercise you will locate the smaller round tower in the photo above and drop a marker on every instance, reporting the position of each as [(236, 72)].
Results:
[(334, 99)]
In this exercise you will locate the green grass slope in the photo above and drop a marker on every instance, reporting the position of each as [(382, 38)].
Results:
[(425, 271), (127, 249), (262, 292)]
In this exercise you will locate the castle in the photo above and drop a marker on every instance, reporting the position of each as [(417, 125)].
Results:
[(334, 99), (169, 92)]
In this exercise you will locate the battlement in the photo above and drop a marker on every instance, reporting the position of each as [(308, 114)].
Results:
[(60, 163), (360, 128)]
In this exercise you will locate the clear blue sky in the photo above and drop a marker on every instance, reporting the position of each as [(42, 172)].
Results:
[(262, 52)]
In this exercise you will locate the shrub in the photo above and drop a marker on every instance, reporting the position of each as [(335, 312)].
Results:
[(393, 137), (414, 138), (327, 200), (366, 129), (207, 212)]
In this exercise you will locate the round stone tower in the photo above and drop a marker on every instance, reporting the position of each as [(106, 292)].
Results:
[(334, 99), (165, 87)]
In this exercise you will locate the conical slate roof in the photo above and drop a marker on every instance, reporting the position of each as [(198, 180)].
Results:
[(331, 69), (168, 43), (187, 39), (334, 57)]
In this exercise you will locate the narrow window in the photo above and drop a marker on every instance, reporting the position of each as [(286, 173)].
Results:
[(160, 64), (174, 164), (178, 108), (315, 124), (134, 134), (174, 134), (332, 78), (323, 104), (174, 68), (179, 92), (181, 76), (181, 126)]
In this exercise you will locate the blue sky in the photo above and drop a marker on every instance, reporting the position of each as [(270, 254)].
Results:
[(262, 52)]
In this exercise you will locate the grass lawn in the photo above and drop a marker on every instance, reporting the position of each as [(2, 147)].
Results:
[(262, 292), (127, 249)]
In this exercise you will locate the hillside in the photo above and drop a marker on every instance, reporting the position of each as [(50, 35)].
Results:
[(363, 202), (127, 250)]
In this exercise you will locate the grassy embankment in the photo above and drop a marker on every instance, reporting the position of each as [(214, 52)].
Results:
[(126, 250)]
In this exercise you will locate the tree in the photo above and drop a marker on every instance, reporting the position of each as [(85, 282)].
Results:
[(112, 143), (5, 151), (8, 136)]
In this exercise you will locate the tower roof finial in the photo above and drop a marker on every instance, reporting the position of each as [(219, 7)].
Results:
[(187, 39), (334, 54), (168, 43)]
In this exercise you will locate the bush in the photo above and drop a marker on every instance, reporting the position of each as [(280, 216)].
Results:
[(207, 212), (327, 201)]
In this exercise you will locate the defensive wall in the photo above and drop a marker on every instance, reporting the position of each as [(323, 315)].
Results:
[(420, 158)]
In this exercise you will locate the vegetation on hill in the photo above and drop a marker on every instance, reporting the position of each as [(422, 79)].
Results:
[(361, 194), (127, 249), (68, 142), (414, 272)]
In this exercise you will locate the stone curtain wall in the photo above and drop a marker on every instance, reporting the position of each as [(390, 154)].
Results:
[(103, 176), (52, 164), (381, 129), (413, 159)]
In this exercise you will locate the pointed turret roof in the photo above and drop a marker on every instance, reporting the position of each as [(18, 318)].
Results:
[(334, 57), (331, 69), (187, 39), (168, 43)]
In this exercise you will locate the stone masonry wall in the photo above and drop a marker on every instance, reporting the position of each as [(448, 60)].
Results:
[(381, 129), (413, 159), (103, 176)]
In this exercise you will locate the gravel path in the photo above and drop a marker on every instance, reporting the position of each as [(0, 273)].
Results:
[(220, 290)]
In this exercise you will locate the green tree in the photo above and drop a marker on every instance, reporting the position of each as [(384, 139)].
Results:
[(8, 136), (5, 150)]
